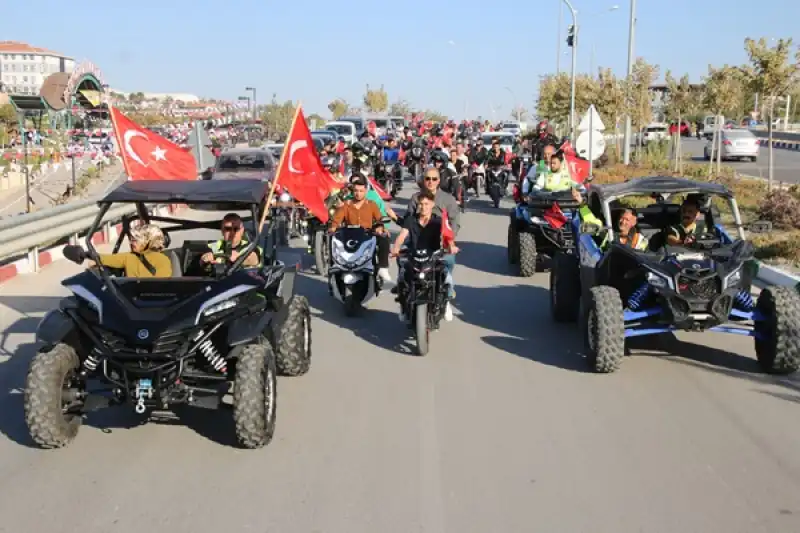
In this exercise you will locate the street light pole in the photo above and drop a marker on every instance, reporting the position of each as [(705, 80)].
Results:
[(628, 126), (516, 103), (255, 105), (574, 64), (558, 43)]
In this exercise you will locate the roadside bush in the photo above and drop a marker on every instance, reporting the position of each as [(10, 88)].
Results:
[(781, 208), (784, 247)]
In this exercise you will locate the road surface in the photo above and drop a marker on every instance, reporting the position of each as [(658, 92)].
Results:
[(499, 429), (787, 162)]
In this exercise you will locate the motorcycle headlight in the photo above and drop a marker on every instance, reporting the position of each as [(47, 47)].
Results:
[(285, 198)]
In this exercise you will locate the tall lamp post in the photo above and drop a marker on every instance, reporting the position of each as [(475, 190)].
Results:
[(516, 103), (255, 105), (245, 99), (631, 35), (573, 39)]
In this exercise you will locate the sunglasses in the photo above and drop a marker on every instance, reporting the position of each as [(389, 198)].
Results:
[(231, 228), (431, 178)]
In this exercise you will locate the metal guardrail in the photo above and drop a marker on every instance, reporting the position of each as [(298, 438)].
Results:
[(26, 233)]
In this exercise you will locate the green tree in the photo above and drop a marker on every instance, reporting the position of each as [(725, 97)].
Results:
[(376, 100), (277, 117), (553, 103), (400, 108), (723, 93), (319, 120), (611, 100), (772, 72), (338, 108), (433, 116), (678, 98), (8, 118), (639, 100)]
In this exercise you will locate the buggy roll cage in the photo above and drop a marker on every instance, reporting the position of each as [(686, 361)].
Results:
[(144, 214)]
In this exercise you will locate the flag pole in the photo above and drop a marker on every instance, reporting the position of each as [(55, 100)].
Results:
[(274, 184), (120, 145)]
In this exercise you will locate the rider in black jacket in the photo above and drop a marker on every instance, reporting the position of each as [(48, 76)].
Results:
[(543, 138)]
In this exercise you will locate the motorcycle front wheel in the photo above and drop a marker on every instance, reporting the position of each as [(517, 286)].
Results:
[(421, 330)]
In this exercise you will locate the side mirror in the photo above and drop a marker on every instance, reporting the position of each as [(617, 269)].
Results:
[(590, 229), (760, 226)]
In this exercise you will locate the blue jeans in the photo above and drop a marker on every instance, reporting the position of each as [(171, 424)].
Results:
[(450, 264)]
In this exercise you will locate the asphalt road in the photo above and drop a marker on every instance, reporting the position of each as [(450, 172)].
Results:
[(499, 429), (786, 169)]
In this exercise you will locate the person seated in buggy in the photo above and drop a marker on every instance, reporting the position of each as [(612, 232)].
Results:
[(229, 247), (685, 232), (626, 232)]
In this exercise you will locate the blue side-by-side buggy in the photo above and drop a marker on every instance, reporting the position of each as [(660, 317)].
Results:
[(615, 292)]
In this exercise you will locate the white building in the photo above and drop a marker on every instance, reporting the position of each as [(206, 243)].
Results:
[(23, 68)]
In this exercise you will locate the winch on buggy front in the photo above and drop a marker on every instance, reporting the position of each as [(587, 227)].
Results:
[(190, 339)]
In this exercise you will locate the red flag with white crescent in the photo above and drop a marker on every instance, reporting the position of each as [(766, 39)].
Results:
[(448, 235), (301, 173)]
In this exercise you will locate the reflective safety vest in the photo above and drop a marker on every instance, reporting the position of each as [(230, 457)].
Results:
[(218, 247), (556, 181)]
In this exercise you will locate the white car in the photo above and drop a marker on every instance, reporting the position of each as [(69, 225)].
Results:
[(513, 127), (655, 132), (506, 139), (736, 144), (344, 129)]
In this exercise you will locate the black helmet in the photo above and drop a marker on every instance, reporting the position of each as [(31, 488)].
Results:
[(439, 156), (357, 148)]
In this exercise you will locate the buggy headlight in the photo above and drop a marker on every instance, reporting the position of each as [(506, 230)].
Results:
[(421, 275), (733, 278), (657, 280), (222, 306)]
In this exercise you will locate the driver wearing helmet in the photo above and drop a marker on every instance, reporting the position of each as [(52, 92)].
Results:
[(543, 138), (685, 232)]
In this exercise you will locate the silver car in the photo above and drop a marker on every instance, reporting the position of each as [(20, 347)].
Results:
[(736, 144), (245, 163)]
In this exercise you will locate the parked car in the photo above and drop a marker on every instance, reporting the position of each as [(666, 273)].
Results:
[(736, 144), (657, 131), (684, 129)]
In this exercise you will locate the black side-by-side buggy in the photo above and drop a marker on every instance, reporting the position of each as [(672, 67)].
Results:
[(191, 339)]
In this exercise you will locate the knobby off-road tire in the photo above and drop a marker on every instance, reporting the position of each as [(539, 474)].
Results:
[(512, 244), (321, 253), (48, 426), (778, 348), (565, 288), (421, 330), (604, 330), (293, 357), (255, 395), (527, 254)]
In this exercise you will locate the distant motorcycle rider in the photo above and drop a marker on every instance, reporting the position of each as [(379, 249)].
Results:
[(544, 137)]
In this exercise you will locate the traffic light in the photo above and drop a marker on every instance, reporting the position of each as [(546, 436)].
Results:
[(571, 36)]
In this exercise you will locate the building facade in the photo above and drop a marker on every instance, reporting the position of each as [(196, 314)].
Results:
[(23, 68)]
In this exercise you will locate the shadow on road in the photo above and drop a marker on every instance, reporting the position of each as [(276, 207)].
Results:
[(376, 326), (484, 257), (520, 315)]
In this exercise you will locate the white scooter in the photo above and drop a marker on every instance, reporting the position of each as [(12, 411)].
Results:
[(352, 276)]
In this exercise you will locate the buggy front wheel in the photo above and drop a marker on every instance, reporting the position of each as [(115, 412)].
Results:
[(255, 395), (604, 329), (778, 330)]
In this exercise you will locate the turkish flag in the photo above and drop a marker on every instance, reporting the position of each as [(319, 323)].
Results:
[(148, 156), (382, 193), (555, 216), (448, 236), (300, 170), (578, 168)]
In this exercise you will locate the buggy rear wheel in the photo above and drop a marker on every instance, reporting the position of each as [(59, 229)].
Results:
[(565, 288), (527, 254), (48, 394), (255, 394), (778, 332), (293, 355), (604, 329)]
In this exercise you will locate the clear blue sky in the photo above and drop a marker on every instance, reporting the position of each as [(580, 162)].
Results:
[(315, 54)]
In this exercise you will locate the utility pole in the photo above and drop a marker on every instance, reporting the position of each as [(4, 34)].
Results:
[(631, 37)]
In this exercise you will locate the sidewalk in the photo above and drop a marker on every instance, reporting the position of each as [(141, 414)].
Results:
[(49, 186)]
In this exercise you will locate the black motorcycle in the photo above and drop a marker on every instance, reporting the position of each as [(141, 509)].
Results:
[(390, 177), (423, 293), (415, 161), (496, 183)]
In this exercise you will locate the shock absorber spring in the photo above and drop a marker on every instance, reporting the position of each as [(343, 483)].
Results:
[(744, 300), (213, 356), (637, 298), (91, 362)]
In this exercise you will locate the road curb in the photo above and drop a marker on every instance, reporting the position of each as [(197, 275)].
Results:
[(785, 145), (32, 263), (771, 275)]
